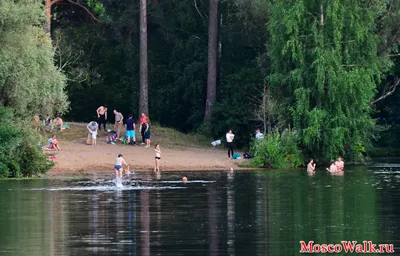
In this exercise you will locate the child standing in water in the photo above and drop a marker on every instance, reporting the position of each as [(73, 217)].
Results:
[(157, 158), (311, 166), (119, 161)]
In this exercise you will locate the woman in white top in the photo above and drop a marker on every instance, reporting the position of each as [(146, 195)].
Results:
[(157, 150), (229, 143), (118, 166)]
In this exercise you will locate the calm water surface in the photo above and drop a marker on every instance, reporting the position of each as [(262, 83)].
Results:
[(216, 213)]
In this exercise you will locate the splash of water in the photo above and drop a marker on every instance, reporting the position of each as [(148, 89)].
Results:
[(118, 182)]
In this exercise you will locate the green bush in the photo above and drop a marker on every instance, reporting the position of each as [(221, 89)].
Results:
[(277, 151), (19, 151)]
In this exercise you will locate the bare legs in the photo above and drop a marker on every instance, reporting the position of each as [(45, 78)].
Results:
[(157, 165)]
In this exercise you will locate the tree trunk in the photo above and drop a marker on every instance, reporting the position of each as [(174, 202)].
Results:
[(264, 106), (144, 88), (212, 61), (47, 6)]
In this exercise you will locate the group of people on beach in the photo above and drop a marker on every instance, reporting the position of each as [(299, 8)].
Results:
[(334, 167), (130, 134)]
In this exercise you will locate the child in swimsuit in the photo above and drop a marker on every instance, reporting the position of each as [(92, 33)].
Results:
[(157, 150)]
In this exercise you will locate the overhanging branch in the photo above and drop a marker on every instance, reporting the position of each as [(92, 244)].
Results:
[(386, 93)]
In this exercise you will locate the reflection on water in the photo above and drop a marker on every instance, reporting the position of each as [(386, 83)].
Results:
[(219, 213)]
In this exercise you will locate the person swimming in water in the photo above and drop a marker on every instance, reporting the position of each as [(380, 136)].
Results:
[(119, 161)]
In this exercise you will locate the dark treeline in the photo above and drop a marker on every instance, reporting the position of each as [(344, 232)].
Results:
[(105, 67), (315, 66)]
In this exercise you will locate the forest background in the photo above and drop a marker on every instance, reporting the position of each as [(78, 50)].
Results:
[(326, 71)]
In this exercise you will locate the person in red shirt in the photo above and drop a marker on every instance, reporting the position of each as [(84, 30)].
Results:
[(143, 126)]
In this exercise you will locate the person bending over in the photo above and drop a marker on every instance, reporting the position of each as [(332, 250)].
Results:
[(119, 161)]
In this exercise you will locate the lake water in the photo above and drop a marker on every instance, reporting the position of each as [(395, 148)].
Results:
[(215, 213)]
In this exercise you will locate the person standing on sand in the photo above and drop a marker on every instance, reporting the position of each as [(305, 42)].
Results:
[(130, 130), (147, 133), (102, 116), (339, 164), (311, 166), (143, 127), (157, 158), (119, 161), (92, 128), (119, 119), (229, 143)]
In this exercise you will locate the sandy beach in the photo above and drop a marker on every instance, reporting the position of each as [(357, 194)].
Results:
[(77, 157)]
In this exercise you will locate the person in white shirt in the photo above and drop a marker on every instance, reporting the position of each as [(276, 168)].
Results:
[(229, 143), (259, 135)]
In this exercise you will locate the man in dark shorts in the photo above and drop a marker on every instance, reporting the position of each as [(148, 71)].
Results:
[(102, 116)]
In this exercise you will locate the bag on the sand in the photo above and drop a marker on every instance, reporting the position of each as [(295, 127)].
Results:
[(89, 139), (216, 143), (247, 155), (236, 156)]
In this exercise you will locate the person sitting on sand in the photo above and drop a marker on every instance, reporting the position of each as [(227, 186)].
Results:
[(339, 164), (332, 168), (157, 158), (119, 161), (59, 124), (52, 144), (311, 166)]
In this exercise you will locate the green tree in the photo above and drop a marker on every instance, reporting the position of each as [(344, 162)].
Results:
[(29, 81), (325, 68), (30, 84)]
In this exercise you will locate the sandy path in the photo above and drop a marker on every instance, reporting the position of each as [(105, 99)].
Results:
[(76, 157)]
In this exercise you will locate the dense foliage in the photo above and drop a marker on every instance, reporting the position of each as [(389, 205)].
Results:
[(321, 65), (29, 83), (20, 154), (325, 69), (277, 151)]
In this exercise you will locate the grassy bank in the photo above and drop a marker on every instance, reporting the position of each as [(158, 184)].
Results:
[(161, 135)]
